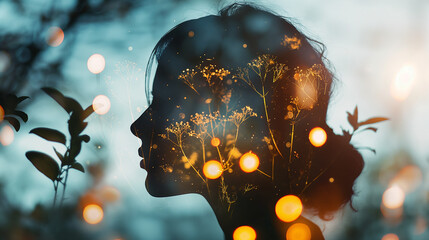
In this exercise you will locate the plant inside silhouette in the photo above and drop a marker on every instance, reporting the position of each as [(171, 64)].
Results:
[(47, 165)]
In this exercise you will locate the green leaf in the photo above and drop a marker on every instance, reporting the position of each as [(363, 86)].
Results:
[(88, 111), (78, 167), (373, 120), (69, 104), (14, 122), (22, 115), (84, 138), (59, 155), (50, 134), (44, 163)]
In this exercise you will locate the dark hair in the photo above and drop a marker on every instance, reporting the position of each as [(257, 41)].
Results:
[(223, 37)]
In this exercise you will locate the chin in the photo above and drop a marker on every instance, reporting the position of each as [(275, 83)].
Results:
[(155, 189)]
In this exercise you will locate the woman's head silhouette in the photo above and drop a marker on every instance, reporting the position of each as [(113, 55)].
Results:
[(234, 99)]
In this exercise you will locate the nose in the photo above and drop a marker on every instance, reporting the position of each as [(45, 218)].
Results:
[(142, 122)]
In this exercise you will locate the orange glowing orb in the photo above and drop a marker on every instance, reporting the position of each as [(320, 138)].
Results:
[(101, 104), (6, 135), (93, 214), (249, 162), (298, 231), (403, 83), (55, 36), (1, 113), (317, 136), (244, 233), (96, 63), (393, 197), (215, 142), (390, 236), (288, 208), (212, 169)]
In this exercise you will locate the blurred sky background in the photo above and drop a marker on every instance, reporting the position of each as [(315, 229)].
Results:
[(378, 50)]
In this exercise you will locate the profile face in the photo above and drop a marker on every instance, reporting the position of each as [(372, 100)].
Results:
[(209, 113), (169, 172)]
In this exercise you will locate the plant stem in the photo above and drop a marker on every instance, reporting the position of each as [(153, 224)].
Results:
[(56, 191), (65, 184), (187, 160), (290, 155), (268, 122)]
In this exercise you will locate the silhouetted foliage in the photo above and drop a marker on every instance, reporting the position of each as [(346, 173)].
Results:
[(76, 125), (8, 109)]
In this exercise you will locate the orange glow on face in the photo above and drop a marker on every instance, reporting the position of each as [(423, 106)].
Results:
[(96, 63), (393, 197), (390, 236), (317, 136), (101, 104), (6, 135), (249, 162), (215, 142), (212, 169), (403, 83), (244, 233), (93, 214), (288, 208), (298, 231), (55, 36)]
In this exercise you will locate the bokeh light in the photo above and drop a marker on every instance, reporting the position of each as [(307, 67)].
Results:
[(249, 162), (288, 208), (393, 197), (93, 214), (96, 63), (1, 113), (390, 236), (101, 104), (317, 136), (6, 135), (298, 231), (403, 83), (215, 142), (110, 194), (212, 169), (244, 233), (55, 36), (408, 179)]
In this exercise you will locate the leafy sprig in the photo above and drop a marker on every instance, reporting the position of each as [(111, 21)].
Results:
[(361, 126), (9, 104), (76, 125)]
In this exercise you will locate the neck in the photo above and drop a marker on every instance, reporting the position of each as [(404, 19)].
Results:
[(255, 212)]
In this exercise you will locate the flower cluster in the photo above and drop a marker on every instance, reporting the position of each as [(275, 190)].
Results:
[(293, 43)]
